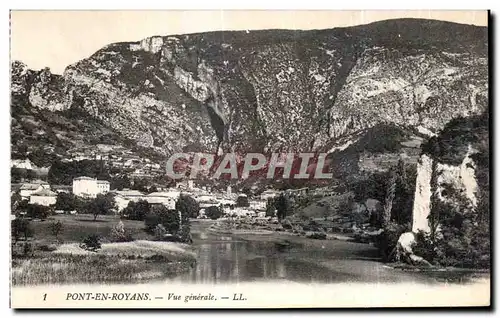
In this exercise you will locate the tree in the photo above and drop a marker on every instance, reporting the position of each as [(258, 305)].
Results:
[(18, 174), (283, 206), (103, 204), (188, 207), (140, 185), (159, 214), (120, 182), (38, 211), (67, 202), (213, 212), (21, 228), (242, 201), (270, 208), (64, 172), (136, 210), (141, 210), (389, 198), (15, 201), (152, 189), (56, 228)]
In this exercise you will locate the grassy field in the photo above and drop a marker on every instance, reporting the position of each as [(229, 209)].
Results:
[(77, 227), (138, 260), (53, 268)]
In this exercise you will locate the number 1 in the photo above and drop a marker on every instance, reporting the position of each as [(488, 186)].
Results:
[(44, 297)]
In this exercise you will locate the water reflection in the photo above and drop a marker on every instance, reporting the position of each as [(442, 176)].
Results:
[(224, 259)]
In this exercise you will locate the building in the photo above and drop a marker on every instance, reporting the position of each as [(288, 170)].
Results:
[(123, 197), (43, 197), (131, 195), (269, 194), (89, 187), (257, 205), (167, 198), (185, 185), (61, 188), (27, 189), (21, 164)]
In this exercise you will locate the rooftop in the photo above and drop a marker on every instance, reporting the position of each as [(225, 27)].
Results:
[(45, 193), (170, 194), (128, 192), (83, 178), (29, 186)]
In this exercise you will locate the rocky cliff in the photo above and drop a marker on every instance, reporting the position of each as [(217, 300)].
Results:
[(274, 89)]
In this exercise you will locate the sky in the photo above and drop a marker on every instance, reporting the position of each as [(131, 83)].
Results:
[(56, 39)]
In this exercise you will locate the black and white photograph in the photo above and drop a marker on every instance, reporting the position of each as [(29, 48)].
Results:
[(249, 159)]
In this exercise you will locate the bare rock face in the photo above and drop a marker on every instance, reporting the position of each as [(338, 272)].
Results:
[(423, 193), (19, 78), (274, 89), (47, 91)]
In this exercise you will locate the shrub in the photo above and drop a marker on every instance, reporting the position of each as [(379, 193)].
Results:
[(91, 243), (213, 212), (242, 201), (119, 234), (188, 207), (47, 248), (38, 211), (56, 228), (424, 246), (317, 236), (388, 239), (27, 249), (160, 232), (169, 219), (185, 234), (286, 224)]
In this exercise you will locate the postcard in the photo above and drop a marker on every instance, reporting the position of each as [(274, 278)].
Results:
[(249, 159)]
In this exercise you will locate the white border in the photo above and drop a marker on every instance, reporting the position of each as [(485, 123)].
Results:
[(189, 4)]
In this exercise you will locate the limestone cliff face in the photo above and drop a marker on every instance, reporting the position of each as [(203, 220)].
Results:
[(460, 179), (276, 89), (454, 170), (423, 194)]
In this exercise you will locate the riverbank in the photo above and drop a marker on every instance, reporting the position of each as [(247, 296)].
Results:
[(114, 263), (61, 260), (342, 254), (274, 230)]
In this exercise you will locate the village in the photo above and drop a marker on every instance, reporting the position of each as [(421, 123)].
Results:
[(33, 186), (42, 193)]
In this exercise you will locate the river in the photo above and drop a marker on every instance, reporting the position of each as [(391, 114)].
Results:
[(252, 258)]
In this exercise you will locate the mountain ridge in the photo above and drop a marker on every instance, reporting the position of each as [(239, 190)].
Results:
[(279, 90)]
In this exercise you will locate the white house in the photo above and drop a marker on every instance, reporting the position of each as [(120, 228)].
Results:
[(121, 202), (167, 198), (89, 187), (27, 189), (258, 205), (43, 197), (123, 197), (21, 164)]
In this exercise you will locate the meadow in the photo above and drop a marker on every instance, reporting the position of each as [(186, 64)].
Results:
[(62, 261)]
